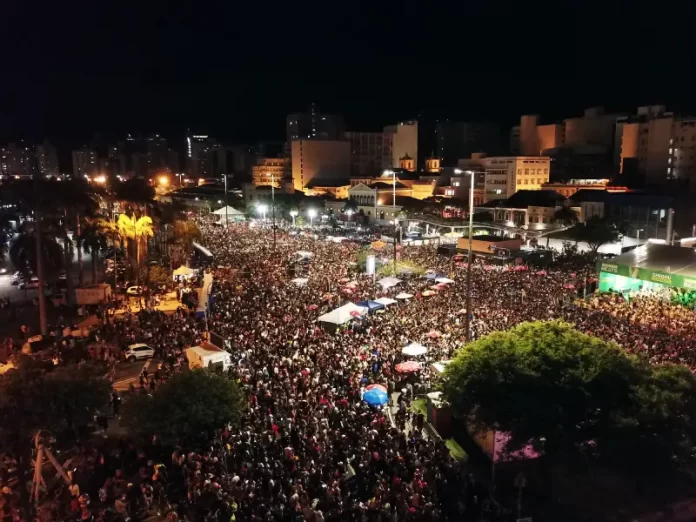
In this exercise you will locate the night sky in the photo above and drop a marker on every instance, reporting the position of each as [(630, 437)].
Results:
[(235, 69)]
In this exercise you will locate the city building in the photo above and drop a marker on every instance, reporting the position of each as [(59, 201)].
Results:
[(460, 139), (404, 141), (529, 209), (505, 175), (85, 162), (314, 125), (658, 147), (407, 163), (268, 171), (370, 152), (572, 186), (47, 159), (535, 138), (18, 159), (205, 158), (327, 161)]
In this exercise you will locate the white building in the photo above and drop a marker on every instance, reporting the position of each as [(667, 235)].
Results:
[(505, 175), (404, 142)]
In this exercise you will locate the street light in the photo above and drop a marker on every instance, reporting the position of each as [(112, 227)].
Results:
[(262, 209), (468, 268), (164, 181), (312, 213), (293, 215)]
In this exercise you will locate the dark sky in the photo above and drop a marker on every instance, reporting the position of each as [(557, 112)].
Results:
[(234, 69)]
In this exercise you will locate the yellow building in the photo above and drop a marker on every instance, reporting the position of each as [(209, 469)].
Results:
[(268, 171), (319, 161)]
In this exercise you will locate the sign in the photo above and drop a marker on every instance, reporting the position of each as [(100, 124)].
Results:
[(370, 265), (645, 274)]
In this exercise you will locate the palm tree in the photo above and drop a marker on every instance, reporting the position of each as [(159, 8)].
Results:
[(93, 239), (137, 230), (184, 233)]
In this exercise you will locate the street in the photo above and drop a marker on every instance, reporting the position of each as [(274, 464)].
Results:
[(127, 373)]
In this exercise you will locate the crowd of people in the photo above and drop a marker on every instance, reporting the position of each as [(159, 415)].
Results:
[(307, 447)]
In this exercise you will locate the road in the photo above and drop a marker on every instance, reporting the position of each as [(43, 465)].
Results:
[(127, 373)]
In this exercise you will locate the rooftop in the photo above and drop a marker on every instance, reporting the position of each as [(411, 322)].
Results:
[(665, 258)]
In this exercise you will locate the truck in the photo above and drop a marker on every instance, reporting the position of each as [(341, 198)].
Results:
[(207, 355), (92, 294)]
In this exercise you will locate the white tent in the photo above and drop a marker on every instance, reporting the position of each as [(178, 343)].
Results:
[(414, 349), (303, 254), (445, 280), (300, 281), (229, 211), (343, 314), (386, 301), (183, 271), (388, 282), (404, 295)]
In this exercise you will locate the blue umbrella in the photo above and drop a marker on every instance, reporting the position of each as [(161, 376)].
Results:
[(375, 397)]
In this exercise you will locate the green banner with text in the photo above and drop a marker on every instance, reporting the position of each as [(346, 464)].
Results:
[(655, 276)]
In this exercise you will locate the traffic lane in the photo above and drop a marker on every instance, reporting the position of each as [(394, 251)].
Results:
[(127, 373)]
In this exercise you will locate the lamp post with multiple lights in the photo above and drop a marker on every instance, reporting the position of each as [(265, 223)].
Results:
[(312, 213), (469, 263)]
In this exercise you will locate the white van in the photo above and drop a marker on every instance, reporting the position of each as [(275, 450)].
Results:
[(208, 356)]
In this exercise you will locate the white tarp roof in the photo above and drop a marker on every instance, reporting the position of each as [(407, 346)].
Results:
[(414, 349), (404, 295), (230, 211), (386, 301), (388, 282), (445, 280), (300, 281), (183, 271), (342, 315)]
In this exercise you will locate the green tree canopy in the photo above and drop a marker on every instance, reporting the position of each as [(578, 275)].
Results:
[(564, 391), (187, 409)]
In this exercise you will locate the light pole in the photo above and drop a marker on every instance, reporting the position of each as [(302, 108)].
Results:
[(468, 268), (293, 215), (226, 206), (312, 213), (262, 209), (273, 210)]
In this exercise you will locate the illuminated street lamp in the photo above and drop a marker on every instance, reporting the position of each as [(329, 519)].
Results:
[(293, 215), (163, 181), (312, 213), (262, 209), (100, 179)]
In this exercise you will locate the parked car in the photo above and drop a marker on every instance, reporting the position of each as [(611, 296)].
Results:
[(138, 351), (135, 290), (29, 285)]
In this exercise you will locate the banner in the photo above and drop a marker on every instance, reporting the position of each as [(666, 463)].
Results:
[(645, 274), (370, 265)]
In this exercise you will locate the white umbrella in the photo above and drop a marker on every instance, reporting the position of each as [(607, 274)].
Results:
[(388, 282), (300, 281), (445, 280), (414, 349), (386, 301), (404, 295)]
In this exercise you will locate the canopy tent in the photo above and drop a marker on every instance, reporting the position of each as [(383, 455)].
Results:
[(444, 280), (414, 349), (404, 295), (386, 301), (183, 271), (371, 306), (300, 281), (228, 211), (388, 282), (342, 314)]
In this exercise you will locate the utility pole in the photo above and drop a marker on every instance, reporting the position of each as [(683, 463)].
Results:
[(468, 268), (226, 205), (273, 210)]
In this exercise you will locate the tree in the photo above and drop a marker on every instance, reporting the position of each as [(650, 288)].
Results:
[(186, 410), (61, 401), (565, 216), (159, 276), (136, 230), (563, 391), (184, 233), (596, 232), (94, 239), (24, 256)]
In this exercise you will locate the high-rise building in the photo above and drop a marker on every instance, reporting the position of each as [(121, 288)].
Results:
[(85, 162), (268, 171), (47, 159), (370, 153), (658, 147), (205, 158), (404, 141), (534, 139), (455, 140), (157, 155), (319, 161), (314, 125)]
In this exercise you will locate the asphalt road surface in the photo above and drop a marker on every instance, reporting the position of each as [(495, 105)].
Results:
[(127, 373)]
